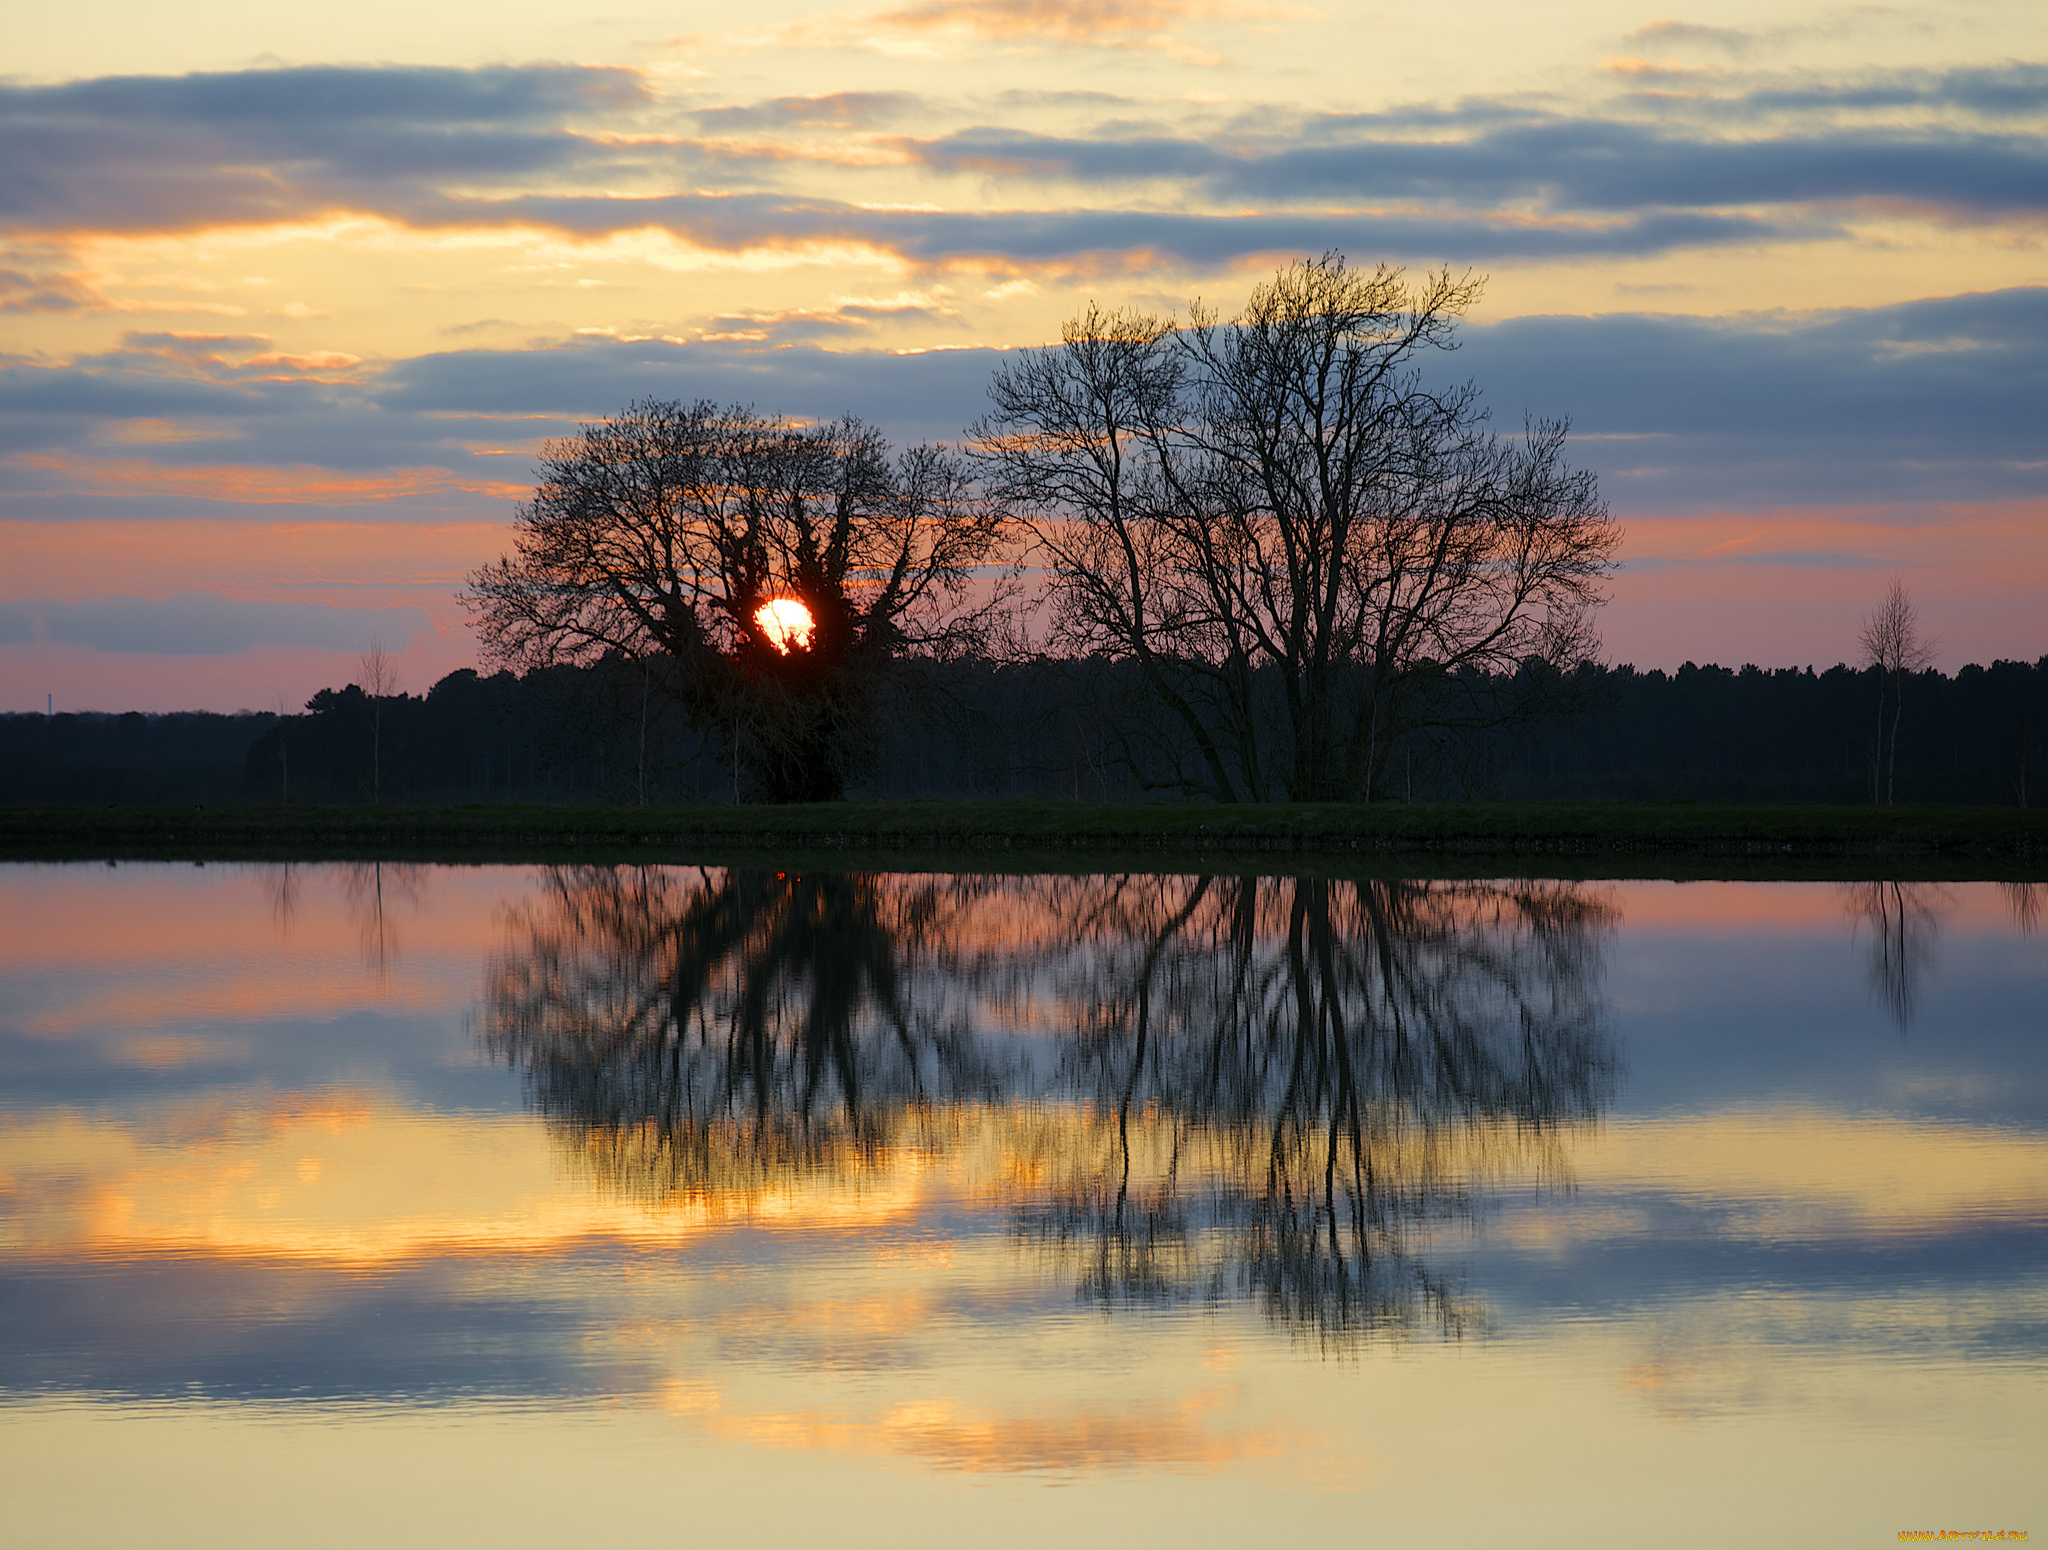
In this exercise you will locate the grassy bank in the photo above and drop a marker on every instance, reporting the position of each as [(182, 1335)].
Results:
[(1605, 837)]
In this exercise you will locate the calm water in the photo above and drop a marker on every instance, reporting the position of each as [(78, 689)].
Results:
[(351, 1205)]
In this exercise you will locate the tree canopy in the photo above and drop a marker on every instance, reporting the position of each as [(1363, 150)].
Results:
[(1308, 551), (662, 534)]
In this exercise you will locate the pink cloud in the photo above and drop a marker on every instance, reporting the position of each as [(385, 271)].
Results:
[(1789, 586), (256, 484)]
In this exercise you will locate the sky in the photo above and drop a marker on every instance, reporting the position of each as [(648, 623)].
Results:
[(291, 296)]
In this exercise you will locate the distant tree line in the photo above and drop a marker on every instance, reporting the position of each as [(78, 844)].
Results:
[(1785, 735), (1057, 728)]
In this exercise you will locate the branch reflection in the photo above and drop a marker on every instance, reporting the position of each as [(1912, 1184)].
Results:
[(1904, 921), (1267, 1089), (1319, 1070), (717, 1032)]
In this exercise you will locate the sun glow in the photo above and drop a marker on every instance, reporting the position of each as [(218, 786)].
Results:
[(786, 623)]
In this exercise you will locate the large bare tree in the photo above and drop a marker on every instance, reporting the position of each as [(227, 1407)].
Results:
[(1307, 553), (661, 534)]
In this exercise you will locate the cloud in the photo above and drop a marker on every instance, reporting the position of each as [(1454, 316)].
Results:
[(1989, 92), (519, 149), (258, 485), (1592, 166), (1113, 240), (1090, 23), (1667, 34), (922, 26), (755, 220), (1560, 164), (169, 153), (27, 291), (1930, 400), (833, 110), (220, 356), (923, 396), (203, 624), (1809, 559), (66, 420)]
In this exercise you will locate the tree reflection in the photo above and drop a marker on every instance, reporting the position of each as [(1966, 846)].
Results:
[(1904, 922), (1320, 1069), (702, 1031), (375, 892), (1196, 1088)]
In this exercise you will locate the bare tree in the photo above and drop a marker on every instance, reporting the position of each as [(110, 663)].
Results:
[(662, 535), (281, 709), (379, 681), (1893, 645), (1307, 552)]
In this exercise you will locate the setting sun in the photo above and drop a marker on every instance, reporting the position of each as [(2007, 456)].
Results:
[(786, 622)]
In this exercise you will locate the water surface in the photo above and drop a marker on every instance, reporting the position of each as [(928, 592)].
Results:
[(412, 1204)]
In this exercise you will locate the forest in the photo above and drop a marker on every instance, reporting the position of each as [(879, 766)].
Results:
[(1051, 728)]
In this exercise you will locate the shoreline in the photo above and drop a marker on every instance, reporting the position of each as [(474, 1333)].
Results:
[(1607, 838)]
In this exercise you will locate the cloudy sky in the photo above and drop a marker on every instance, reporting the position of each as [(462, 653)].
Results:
[(289, 295)]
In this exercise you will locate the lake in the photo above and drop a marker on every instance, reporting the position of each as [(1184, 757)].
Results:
[(352, 1204)]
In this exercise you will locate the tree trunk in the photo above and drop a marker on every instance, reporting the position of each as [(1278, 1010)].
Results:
[(1891, 769)]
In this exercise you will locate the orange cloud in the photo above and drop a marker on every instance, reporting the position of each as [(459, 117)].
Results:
[(255, 485), (1631, 64), (1119, 23), (153, 432), (319, 360), (24, 290), (240, 557)]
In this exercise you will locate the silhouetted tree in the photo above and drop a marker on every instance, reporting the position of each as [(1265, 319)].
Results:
[(281, 714), (660, 535), (1895, 648), (1306, 552), (379, 683)]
